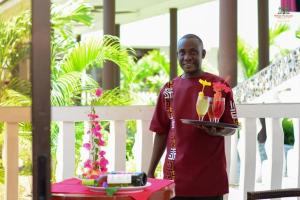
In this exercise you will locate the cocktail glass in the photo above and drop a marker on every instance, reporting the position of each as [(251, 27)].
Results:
[(210, 111), (218, 107), (202, 106)]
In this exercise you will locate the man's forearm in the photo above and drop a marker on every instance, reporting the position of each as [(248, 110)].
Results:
[(160, 143)]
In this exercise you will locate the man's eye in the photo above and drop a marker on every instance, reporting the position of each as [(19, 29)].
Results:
[(194, 53)]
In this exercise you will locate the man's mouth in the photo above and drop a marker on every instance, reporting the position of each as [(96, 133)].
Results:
[(188, 65)]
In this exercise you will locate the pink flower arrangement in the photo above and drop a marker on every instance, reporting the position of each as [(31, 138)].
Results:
[(96, 164)]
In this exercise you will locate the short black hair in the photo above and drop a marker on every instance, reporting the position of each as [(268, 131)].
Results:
[(188, 36)]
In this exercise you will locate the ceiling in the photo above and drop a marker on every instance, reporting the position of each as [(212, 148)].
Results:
[(132, 10), (127, 10)]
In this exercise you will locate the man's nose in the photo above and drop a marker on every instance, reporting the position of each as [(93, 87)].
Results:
[(187, 57)]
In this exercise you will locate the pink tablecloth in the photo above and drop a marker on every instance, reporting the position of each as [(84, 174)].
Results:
[(74, 186)]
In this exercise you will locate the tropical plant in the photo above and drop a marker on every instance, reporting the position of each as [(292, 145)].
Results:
[(297, 33), (248, 56), (14, 41), (66, 79), (149, 73), (288, 130)]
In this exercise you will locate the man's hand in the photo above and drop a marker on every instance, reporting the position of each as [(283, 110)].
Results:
[(209, 129), (216, 131)]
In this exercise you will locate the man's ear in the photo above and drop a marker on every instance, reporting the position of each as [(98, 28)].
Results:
[(203, 53)]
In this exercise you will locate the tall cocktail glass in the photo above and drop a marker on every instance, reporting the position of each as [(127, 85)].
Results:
[(202, 106), (218, 107)]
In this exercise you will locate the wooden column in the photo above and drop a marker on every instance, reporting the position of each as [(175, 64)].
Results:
[(173, 43), (228, 41), (108, 29), (263, 33), (263, 50), (40, 78), (116, 67)]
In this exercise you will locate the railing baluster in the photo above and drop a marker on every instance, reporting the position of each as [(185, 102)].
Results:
[(66, 151), (143, 142), (227, 141), (11, 164), (233, 173), (248, 156), (293, 157), (274, 148), (117, 145)]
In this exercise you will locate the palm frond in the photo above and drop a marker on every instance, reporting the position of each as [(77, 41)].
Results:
[(248, 58), (64, 16), (66, 87), (94, 52), (114, 97), (14, 40), (20, 85), (82, 56), (276, 31), (10, 97)]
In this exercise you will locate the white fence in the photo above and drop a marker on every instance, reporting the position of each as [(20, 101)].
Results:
[(246, 145)]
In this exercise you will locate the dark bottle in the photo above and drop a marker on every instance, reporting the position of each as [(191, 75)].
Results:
[(123, 179)]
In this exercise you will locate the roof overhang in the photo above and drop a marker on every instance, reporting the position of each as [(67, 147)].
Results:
[(126, 10)]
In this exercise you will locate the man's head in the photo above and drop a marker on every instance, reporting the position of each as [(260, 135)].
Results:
[(190, 54)]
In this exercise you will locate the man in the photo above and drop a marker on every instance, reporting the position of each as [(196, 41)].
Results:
[(195, 159)]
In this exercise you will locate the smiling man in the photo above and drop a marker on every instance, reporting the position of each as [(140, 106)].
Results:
[(195, 159)]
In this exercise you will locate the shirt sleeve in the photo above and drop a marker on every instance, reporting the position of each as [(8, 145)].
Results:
[(160, 122), (230, 114)]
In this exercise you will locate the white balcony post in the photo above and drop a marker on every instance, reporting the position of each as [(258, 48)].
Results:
[(227, 145), (66, 151), (248, 156), (293, 160), (117, 146), (233, 173), (274, 148), (143, 145), (11, 164)]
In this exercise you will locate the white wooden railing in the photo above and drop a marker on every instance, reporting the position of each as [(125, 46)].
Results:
[(246, 145)]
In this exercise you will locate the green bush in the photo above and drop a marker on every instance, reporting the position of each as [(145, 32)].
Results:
[(288, 130)]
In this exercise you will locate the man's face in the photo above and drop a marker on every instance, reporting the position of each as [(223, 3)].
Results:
[(190, 54)]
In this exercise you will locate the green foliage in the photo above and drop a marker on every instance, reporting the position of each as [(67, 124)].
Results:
[(297, 33), (67, 87), (130, 140), (277, 31), (14, 41), (150, 72), (114, 97), (79, 132), (288, 130), (248, 56), (145, 77), (96, 51), (64, 16)]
